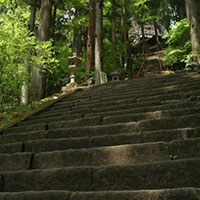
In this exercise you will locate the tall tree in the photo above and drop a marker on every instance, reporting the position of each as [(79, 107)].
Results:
[(123, 34), (38, 84), (98, 39), (31, 28), (91, 37), (78, 33), (193, 14), (114, 45)]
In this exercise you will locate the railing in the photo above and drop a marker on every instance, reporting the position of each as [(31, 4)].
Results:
[(160, 60), (141, 70)]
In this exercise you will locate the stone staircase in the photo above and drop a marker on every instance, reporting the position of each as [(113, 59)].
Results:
[(128, 140), (152, 65)]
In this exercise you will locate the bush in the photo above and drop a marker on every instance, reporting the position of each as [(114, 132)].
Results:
[(179, 48)]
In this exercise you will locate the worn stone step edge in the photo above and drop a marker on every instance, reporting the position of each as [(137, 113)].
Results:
[(124, 109), (142, 87), (119, 155), (88, 121), (189, 121), (150, 81), (12, 148), (78, 141), (21, 137), (182, 120), (164, 194), (85, 111), (161, 99), (158, 175), (162, 107), (103, 156), (131, 97), (26, 128), (137, 83), (159, 114), (38, 146), (36, 119), (96, 98), (137, 92), (88, 131)]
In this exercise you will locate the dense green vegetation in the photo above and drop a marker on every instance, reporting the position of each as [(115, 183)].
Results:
[(179, 44), (34, 54)]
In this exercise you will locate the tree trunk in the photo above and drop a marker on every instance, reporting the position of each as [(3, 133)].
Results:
[(123, 36), (99, 39), (114, 45), (1, 89), (113, 26), (129, 60), (91, 37), (54, 22), (143, 39), (38, 84), (193, 14), (31, 28), (156, 33), (182, 12), (77, 36)]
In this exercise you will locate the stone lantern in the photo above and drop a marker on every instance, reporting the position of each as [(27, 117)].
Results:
[(115, 75), (74, 61)]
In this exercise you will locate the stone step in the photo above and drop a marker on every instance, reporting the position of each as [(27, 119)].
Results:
[(146, 121), (189, 121), (129, 98), (157, 175), (138, 109), (45, 145), (56, 116), (69, 132), (88, 121), (21, 129), (63, 114), (134, 85), (21, 137), (11, 148), (103, 156), (155, 82), (126, 132), (143, 85), (83, 131), (37, 119), (136, 92), (164, 194), (130, 103), (139, 93), (149, 115), (144, 96), (15, 162), (88, 111), (118, 155)]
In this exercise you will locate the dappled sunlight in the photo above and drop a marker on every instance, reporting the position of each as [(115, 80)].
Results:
[(156, 114), (135, 154), (121, 155)]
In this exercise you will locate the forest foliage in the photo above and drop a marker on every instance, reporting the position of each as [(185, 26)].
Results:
[(179, 44)]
